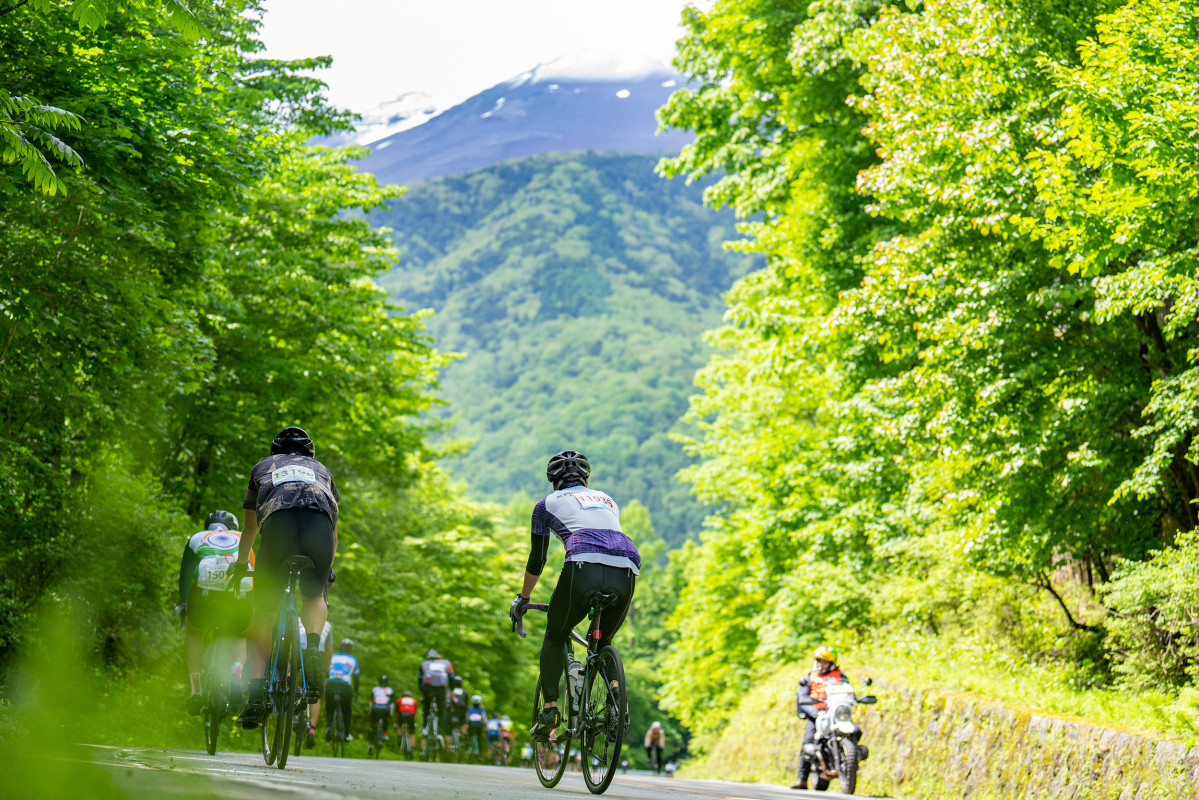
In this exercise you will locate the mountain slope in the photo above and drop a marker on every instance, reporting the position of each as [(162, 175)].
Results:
[(556, 107), (578, 285)]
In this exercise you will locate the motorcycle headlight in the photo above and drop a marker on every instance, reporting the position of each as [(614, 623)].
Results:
[(846, 728), (842, 713)]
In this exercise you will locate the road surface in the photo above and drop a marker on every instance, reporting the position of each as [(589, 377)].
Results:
[(242, 776)]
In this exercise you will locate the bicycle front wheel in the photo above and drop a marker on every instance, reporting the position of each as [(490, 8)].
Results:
[(338, 730), (212, 728), (604, 718), (292, 690), (549, 758)]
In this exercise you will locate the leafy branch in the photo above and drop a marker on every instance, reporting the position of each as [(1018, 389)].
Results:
[(26, 138)]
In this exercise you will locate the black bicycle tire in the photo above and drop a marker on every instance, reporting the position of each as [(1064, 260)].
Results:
[(549, 779), (290, 688), (298, 721), (338, 729), (613, 670), (212, 728), (270, 697), (209, 716)]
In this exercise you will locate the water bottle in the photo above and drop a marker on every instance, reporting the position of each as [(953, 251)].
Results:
[(574, 672)]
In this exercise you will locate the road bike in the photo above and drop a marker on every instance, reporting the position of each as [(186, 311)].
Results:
[(432, 748), (375, 740), (219, 697), (337, 730), (592, 705), (286, 690), (405, 743)]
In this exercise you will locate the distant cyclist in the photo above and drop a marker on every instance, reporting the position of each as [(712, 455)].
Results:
[(476, 724), (406, 716), (380, 710), (599, 557), (206, 599), (293, 497), (493, 736), (506, 735), (435, 675), (342, 681), (457, 711)]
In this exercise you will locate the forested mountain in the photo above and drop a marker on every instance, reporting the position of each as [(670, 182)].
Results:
[(578, 287)]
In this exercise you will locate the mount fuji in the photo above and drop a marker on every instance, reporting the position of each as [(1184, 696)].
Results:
[(570, 104)]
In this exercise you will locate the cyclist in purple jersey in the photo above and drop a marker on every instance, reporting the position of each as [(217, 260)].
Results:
[(599, 557)]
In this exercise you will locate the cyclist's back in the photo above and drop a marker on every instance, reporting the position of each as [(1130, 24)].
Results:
[(435, 675), (341, 685)]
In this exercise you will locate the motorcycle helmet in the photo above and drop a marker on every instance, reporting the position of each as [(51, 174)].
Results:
[(826, 654), (223, 519), (293, 441), (567, 467)]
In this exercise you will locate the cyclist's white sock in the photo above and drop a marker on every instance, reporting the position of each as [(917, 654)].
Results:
[(195, 678)]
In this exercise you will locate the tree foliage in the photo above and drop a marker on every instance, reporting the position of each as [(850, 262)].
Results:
[(969, 348)]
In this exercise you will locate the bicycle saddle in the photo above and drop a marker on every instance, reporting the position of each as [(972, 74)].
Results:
[(603, 599), (299, 563)]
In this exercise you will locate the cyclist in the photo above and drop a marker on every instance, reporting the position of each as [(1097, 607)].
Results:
[(325, 645), (655, 740), (493, 736), (505, 737), (206, 599), (599, 556), (810, 700), (406, 718), (435, 675), (294, 498), (457, 711), (476, 723), (380, 711), (343, 678)]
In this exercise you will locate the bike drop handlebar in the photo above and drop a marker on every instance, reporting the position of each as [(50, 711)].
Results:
[(520, 625)]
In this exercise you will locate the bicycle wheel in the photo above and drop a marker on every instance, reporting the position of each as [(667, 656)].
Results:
[(603, 720), (549, 758), (275, 721), (292, 689), (299, 728), (338, 729), (212, 728)]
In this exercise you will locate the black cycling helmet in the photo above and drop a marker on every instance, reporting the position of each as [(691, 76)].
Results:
[(292, 441), (382, 680), (569, 466), (223, 519), (346, 646), (432, 653)]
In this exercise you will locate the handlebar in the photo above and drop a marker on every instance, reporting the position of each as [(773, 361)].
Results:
[(520, 623)]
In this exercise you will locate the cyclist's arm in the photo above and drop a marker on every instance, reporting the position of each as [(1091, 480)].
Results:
[(187, 571), (248, 534)]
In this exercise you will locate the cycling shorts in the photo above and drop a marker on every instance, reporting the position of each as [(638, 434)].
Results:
[(493, 736), (223, 613), (286, 533), (408, 721)]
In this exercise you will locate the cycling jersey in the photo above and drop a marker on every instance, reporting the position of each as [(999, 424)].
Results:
[(406, 705), (588, 523), (493, 730), (381, 696), (343, 668), (436, 672), (291, 481), (207, 557), (476, 716)]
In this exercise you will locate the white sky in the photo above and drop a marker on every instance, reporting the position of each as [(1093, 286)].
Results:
[(453, 49)]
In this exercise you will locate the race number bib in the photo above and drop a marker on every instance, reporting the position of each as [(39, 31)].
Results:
[(593, 500), (292, 474), (475, 717), (214, 571)]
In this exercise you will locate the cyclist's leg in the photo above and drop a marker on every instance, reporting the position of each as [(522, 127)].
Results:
[(315, 540), (622, 582), (568, 607)]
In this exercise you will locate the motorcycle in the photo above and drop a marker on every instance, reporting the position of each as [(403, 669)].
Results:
[(836, 753)]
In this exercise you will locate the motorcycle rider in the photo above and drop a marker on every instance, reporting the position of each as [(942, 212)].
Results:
[(810, 700)]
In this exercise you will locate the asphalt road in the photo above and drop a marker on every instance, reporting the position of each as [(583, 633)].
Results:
[(242, 776)]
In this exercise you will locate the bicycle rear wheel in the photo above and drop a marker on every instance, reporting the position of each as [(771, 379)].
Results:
[(212, 728), (549, 758), (338, 729), (274, 679), (299, 728), (290, 695), (603, 723)]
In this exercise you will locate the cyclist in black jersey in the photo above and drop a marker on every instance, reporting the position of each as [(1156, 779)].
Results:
[(293, 498), (599, 557)]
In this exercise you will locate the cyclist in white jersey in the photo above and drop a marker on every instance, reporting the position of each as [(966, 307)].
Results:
[(599, 557), (381, 697), (206, 600)]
